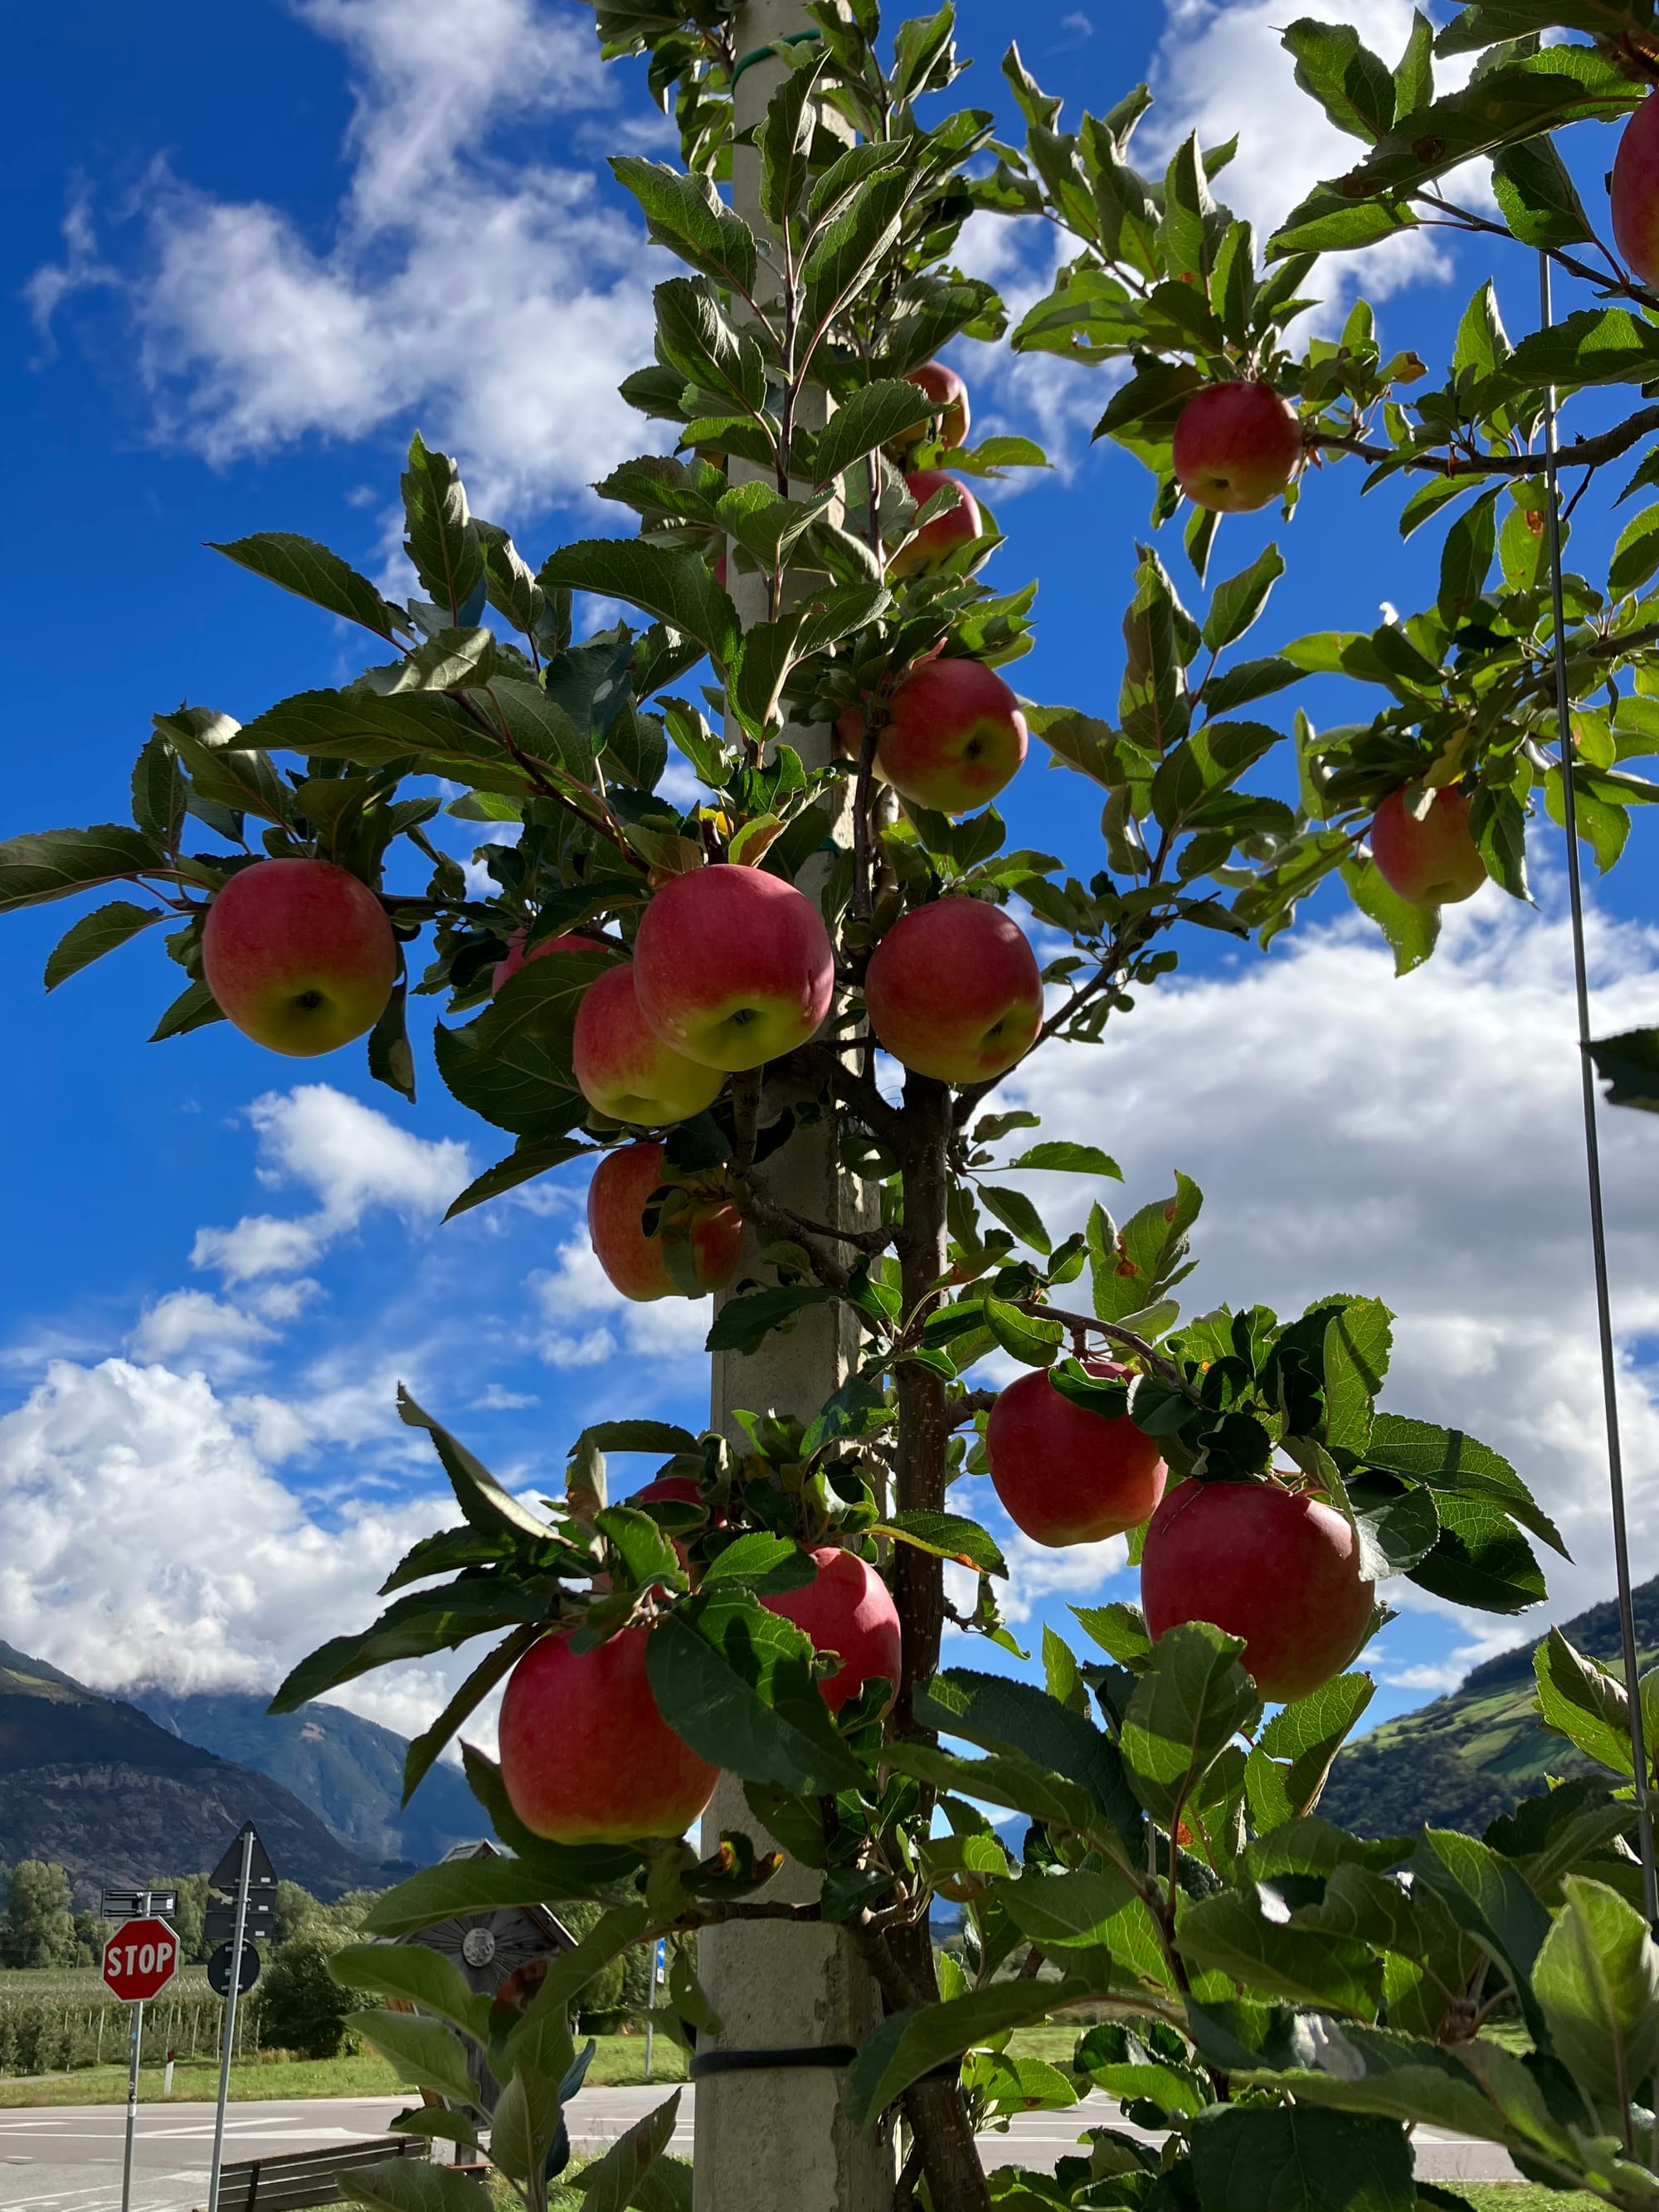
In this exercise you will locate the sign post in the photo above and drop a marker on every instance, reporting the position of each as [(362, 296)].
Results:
[(139, 1960), (242, 1890)]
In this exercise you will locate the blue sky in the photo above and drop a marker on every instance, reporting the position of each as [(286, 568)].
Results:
[(251, 250)]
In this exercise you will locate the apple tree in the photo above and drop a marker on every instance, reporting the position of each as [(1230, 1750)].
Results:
[(811, 942)]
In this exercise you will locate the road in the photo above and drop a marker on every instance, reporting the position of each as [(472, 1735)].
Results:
[(67, 2158)]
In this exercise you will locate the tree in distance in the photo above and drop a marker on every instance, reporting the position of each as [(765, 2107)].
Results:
[(953, 991), (950, 397), (622, 1065), (954, 737), (733, 967), (1237, 445), (847, 1609), (934, 543), (1634, 191), (300, 956), (1430, 858), (586, 1758), (633, 1257), (1264, 1562), (1065, 1473), (38, 1928)]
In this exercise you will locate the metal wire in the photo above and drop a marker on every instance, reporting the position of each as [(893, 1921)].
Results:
[(1592, 1149)]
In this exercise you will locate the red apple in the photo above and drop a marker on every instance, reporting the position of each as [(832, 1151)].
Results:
[(299, 955), (1066, 1475), (950, 409), (1433, 862), (633, 1260), (1280, 1570), (953, 991), (1635, 190), (954, 736), (1237, 445), (586, 1758), (848, 1610), (936, 540), (517, 957), (734, 966), (623, 1066)]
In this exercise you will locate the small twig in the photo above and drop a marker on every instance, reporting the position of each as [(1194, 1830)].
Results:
[(1086, 1323)]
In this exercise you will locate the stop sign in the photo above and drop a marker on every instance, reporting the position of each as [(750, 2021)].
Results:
[(139, 1959)]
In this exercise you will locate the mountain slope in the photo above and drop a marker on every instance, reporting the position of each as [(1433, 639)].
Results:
[(348, 1770), (1472, 1754), (94, 1783)]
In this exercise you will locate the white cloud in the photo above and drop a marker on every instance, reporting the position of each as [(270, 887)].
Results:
[(591, 1323), (498, 1399), (1419, 1140), (222, 1337), (352, 1157), (501, 299)]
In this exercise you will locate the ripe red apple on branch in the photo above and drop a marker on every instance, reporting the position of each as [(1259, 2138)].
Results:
[(633, 1258), (623, 1066), (299, 955), (849, 1610), (934, 543), (1634, 188), (733, 967), (953, 991), (1066, 1474), (586, 1758), (1432, 861), (949, 394), (1280, 1569), (954, 737), (1237, 445)]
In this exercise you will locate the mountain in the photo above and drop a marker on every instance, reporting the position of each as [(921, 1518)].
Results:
[(91, 1782), (348, 1770), (1473, 1753)]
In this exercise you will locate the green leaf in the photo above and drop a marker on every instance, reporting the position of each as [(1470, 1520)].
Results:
[(915, 2042), (742, 1324), (414, 1627), (1467, 556), (1540, 203), (612, 2183), (761, 1564), (53, 864), (458, 1888), (1629, 1066), (1017, 1718), (679, 588), (1413, 932), (1023, 1336), (947, 1536), (1593, 345), (1356, 1358), (159, 793), (1061, 1909), (1489, 1899), (1636, 557), (1354, 87), (1328, 221), (423, 2051), (1246, 2157), (736, 1683), (1065, 1157), (1448, 1460), (486, 1504), (1597, 1980), (874, 416), (95, 934), (684, 212), (1582, 1701), (1292, 1756), (425, 1977), (224, 768), (193, 1009), (1016, 1211), (1120, 1629), (441, 539), (1480, 1559), (1310, 1966), (309, 570), (1193, 1698), (1236, 602), (532, 1156)]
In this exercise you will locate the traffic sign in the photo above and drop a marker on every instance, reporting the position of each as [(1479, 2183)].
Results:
[(259, 1926), (218, 1970), (140, 1960)]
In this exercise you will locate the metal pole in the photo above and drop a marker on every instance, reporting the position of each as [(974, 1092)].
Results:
[(650, 2004), (1592, 1149), (132, 2103), (230, 2020)]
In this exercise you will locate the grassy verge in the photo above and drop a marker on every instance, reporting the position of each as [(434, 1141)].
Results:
[(618, 2059)]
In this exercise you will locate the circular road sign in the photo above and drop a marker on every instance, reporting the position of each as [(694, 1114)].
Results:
[(218, 1970), (140, 1958)]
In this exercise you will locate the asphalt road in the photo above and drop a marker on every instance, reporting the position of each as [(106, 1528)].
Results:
[(67, 2158)]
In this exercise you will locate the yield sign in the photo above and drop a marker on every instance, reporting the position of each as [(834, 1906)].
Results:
[(139, 1959)]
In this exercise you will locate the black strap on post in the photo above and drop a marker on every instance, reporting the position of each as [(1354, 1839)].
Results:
[(759, 2061)]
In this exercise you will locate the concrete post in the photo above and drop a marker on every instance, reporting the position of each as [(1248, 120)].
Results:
[(780, 2139)]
